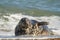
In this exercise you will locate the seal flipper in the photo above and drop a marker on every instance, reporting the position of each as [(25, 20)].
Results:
[(42, 23)]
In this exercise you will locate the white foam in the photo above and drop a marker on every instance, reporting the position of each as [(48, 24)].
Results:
[(13, 19)]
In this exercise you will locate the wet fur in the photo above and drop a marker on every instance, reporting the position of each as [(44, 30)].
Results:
[(26, 27)]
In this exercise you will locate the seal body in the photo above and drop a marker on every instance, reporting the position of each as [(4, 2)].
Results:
[(32, 27), (41, 28)]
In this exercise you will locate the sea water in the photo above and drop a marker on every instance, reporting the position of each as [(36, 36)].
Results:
[(11, 11)]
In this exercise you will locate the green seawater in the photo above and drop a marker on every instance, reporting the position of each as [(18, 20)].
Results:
[(26, 11), (30, 7)]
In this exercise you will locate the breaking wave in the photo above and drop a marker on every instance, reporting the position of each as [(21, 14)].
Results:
[(9, 22)]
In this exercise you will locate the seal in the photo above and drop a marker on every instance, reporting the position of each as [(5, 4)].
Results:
[(32, 27), (23, 25)]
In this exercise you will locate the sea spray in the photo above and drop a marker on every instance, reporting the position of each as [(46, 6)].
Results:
[(13, 19)]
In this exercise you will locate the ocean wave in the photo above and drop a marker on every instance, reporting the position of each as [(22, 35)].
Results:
[(13, 19)]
